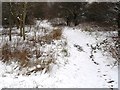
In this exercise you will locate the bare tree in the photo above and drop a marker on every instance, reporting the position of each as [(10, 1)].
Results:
[(73, 12), (22, 17)]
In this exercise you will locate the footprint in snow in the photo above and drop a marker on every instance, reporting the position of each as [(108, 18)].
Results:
[(79, 48), (110, 81)]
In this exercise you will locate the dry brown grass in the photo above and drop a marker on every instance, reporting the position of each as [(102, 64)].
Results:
[(56, 33), (21, 56), (18, 55), (24, 58), (6, 52), (24, 52), (53, 35)]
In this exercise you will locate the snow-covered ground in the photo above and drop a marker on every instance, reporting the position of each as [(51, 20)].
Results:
[(82, 67)]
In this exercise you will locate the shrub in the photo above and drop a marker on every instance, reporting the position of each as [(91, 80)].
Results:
[(30, 54), (25, 58), (55, 34), (6, 52), (21, 56)]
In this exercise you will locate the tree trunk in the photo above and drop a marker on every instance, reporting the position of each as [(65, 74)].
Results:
[(24, 17), (119, 33), (10, 24), (21, 26), (10, 38), (17, 23), (118, 21), (68, 21), (76, 23), (75, 19)]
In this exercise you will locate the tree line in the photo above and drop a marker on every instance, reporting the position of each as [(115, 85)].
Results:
[(20, 14)]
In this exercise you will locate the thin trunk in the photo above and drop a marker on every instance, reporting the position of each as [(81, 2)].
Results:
[(118, 25), (10, 38), (68, 21), (10, 24), (21, 25), (119, 33), (76, 23), (75, 19), (24, 17), (17, 23), (118, 22)]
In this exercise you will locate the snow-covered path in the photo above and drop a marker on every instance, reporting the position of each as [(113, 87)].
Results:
[(85, 72), (78, 72)]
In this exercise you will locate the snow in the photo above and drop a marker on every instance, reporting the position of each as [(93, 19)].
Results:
[(74, 70), (86, 69)]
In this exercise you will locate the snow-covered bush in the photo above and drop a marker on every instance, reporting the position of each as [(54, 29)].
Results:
[(28, 58), (38, 52)]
